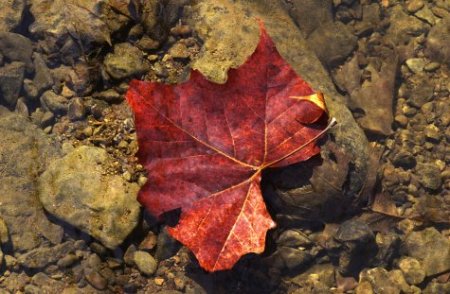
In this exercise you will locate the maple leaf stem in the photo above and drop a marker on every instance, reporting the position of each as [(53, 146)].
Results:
[(331, 124)]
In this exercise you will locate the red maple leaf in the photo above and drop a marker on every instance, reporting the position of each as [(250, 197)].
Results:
[(204, 146)]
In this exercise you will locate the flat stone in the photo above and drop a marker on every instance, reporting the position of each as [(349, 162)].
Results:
[(20, 208), (77, 189), (431, 249)]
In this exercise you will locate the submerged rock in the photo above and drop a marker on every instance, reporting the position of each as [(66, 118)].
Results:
[(229, 37), (437, 42), (11, 79), (62, 19), (25, 152), (43, 256), (126, 61), (431, 249), (16, 47), (11, 12), (77, 189)]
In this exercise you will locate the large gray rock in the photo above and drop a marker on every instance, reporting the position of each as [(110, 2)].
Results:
[(431, 248), (24, 153), (77, 189), (11, 12), (230, 34), (11, 79)]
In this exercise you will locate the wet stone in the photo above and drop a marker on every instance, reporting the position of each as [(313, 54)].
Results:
[(437, 47), (416, 65), (126, 61), (67, 260), (54, 102), (422, 93), (30, 89), (432, 133), (412, 270), (16, 47), (404, 159), (145, 262), (41, 257), (380, 281), (432, 66), (4, 233), (76, 109), (401, 120), (430, 176), (96, 280), (43, 79), (128, 257), (431, 249), (414, 6), (179, 50), (11, 79)]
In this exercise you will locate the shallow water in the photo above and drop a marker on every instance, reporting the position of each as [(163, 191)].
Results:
[(369, 214)]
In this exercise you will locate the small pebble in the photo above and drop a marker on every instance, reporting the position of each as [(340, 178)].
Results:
[(416, 65), (179, 50), (142, 180), (431, 67), (149, 242), (432, 133), (180, 30), (158, 281), (180, 284), (404, 159), (145, 263), (96, 280), (128, 257), (401, 120), (414, 6), (67, 260)]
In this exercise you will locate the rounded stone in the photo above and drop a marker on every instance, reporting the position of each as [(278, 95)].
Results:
[(96, 280), (404, 159), (145, 262)]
